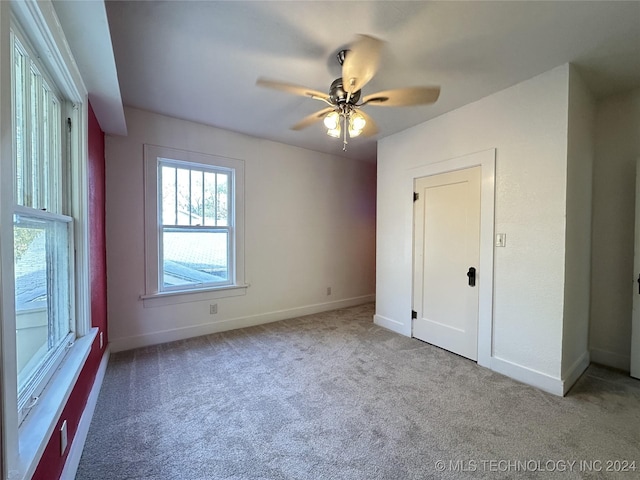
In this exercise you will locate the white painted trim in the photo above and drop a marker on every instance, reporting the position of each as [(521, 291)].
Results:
[(162, 299), (39, 20), (128, 343), (79, 197), (634, 359), (393, 325), (529, 376), (9, 386), (23, 445), (577, 369), (610, 359), (75, 451), (151, 155), (487, 161), (39, 425)]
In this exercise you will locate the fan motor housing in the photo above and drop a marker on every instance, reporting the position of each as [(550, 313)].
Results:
[(338, 95)]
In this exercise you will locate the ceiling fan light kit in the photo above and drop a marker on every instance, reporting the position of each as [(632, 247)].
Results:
[(343, 117), (332, 120)]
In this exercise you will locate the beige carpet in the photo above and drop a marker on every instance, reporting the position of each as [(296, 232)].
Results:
[(332, 396)]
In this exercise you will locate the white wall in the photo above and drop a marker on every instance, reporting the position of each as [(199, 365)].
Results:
[(527, 124), (309, 225), (577, 286), (617, 149)]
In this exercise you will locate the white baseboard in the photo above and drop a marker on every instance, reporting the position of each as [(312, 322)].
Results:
[(610, 359), (393, 325), (577, 369), (530, 377), (155, 338), (77, 445)]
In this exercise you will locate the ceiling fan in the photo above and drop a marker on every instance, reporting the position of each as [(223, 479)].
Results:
[(344, 115)]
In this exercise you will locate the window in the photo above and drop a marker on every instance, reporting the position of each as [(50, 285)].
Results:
[(43, 286), (44, 289), (194, 222), (43, 233), (196, 235)]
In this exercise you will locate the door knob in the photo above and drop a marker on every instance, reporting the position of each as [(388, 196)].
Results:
[(472, 277), (639, 284)]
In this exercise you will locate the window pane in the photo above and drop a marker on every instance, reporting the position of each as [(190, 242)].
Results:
[(169, 205), (184, 194), (43, 314), (210, 204), (33, 194), (38, 129), (20, 118), (46, 150), (222, 181), (55, 158), (193, 257), (196, 197)]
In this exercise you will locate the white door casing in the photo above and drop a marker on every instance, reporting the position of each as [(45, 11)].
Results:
[(446, 252), (487, 160), (635, 321)]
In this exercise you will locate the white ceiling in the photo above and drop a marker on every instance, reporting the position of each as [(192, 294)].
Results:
[(200, 60)]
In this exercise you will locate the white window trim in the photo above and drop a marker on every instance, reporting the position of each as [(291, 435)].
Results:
[(152, 296), (57, 357), (22, 446), (229, 228)]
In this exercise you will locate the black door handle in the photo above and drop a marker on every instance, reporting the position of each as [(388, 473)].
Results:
[(472, 276), (639, 284)]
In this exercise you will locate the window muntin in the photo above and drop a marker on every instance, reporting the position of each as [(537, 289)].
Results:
[(38, 129), (43, 234), (196, 234), (215, 220)]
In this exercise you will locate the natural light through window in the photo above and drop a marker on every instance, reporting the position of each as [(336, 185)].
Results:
[(47, 334), (43, 303), (42, 230), (196, 232), (194, 226)]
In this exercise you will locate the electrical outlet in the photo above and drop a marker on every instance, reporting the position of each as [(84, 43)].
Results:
[(328, 290), (501, 239), (101, 340), (63, 438), (213, 309)]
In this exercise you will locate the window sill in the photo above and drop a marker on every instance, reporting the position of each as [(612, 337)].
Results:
[(38, 426), (162, 299)]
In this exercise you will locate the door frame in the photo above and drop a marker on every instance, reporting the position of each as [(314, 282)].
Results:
[(634, 361), (487, 161)]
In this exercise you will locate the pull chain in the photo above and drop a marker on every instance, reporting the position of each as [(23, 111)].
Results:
[(344, 130)]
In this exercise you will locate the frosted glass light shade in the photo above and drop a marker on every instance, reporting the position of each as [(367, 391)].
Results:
[(354, 133), (332, 121), (357, 121), (334, 132)]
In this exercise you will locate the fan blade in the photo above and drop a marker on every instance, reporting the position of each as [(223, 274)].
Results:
[(403, 97), (291, 88), (361, 63), (370, 129), (311, 119)]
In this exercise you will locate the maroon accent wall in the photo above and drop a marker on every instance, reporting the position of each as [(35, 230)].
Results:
[(52, 463)]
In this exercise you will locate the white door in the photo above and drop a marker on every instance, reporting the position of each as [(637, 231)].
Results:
[(446, 254), (635, 322)]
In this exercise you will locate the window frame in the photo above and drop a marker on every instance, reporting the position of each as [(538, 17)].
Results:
[(229, 228), (23, 444), (49, 191), (37, 382), (154, 157)]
